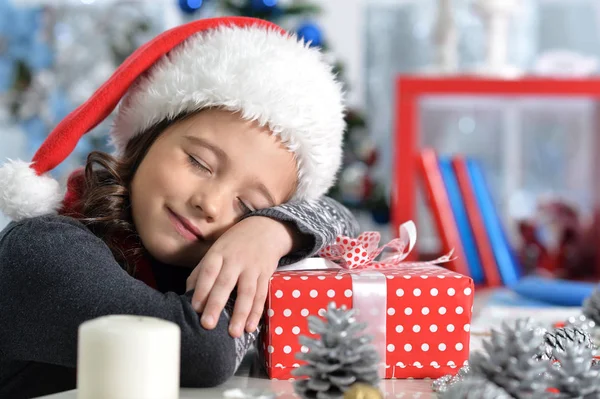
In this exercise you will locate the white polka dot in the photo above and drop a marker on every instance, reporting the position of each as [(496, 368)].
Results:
[(304, 349), (278, 330), (314, 293), (270, 349), (442, 310), (391, 348), (296, 293), (408, 347), (399, 292), (391, 311), (424, 277), (287, 313), (287, 278), (408, 311), (425, 310), (416, 328), (348, 293), (296, 330), (433, 328), (417, 292), (467, 327), (442, 347), (399, 328), (304, 312), (338, 277), (450, 327), (458, 346), (424, 347), (433, 292), (389, 277), (270, 312), (451, 291), (406, 276), (459, 310), (330, 293), (295, 365), (287, 349), (467, 291), (303, 278), (321, 277), (321, 312)]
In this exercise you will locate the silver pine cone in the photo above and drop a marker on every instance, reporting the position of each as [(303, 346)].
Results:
[(591, 306), (510, 359), (557, 340), (573, 375), (474, 387), (340, 358)]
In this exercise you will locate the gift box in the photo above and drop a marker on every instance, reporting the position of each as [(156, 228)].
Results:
[(418, 313)]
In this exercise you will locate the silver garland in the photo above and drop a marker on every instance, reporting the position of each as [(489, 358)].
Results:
[(474, 388), (581, 321), (442, 384), (342, 356)]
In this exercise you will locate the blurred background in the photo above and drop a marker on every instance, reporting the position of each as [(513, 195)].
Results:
[(536, 145)]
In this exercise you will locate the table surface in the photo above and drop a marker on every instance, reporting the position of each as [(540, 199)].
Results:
[(250, 377)]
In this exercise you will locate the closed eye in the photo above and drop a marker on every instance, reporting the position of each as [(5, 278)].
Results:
[(198, 164), (246, 208)]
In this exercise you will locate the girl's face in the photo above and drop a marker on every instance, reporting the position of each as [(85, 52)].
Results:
[(200, 176)]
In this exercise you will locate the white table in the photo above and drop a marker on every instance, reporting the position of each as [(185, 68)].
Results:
[(250, 377)]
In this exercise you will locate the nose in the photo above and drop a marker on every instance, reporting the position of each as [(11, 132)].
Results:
[(209, 202)]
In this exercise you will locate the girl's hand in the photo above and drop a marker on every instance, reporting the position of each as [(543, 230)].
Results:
[(246, 255)]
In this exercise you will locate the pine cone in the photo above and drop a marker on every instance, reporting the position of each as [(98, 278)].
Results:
[(591, 306), (573, 375), (510, 360), (474, 388), (557, 340), (340, 358)]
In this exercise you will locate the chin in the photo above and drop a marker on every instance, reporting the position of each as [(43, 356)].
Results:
[(174, 254)]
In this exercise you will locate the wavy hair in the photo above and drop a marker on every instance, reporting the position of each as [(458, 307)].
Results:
[(105, 201)]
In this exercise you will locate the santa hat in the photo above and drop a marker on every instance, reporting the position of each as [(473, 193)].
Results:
[(239, 64)]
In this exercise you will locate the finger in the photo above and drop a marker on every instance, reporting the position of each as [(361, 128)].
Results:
[(246, 291), (258, 306), (219, 294), (209, 270), (190, 283)]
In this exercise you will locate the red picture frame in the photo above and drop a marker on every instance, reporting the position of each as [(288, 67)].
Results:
[(410, 89)]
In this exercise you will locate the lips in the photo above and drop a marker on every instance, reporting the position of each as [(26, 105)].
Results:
[(184, 227)]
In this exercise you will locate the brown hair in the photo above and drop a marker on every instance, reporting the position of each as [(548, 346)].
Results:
[(105, 202)]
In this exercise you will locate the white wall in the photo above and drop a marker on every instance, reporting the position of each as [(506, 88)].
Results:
[(343, 24)]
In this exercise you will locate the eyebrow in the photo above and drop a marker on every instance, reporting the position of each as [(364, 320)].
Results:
[(222, 155), (203, 143)]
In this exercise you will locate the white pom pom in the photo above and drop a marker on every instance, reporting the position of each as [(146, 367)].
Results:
[(24, 194)]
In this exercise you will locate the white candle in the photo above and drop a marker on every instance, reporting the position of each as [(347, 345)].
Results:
[(124, 357)]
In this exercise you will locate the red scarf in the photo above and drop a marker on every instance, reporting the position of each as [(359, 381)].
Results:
[(70, 207)]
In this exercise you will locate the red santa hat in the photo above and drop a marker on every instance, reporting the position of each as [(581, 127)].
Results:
[(239, 64)]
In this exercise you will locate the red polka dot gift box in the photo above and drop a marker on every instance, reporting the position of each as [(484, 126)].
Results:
[(418, 313)]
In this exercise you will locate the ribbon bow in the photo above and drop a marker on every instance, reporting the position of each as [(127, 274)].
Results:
[(362, 252)]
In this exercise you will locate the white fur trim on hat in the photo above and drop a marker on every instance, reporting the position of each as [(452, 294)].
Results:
[(25, 194), (266, 76)]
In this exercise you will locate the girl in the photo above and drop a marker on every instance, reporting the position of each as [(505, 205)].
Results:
[(228, 134)]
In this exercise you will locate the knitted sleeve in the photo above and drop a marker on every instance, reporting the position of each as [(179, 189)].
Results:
[(55, 274), (321, 220)]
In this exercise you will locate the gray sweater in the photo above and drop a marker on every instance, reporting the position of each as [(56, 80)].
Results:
[(55, 274)]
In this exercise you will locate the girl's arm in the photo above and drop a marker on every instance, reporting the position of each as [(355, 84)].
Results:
[(320, 221), (55, 274)]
